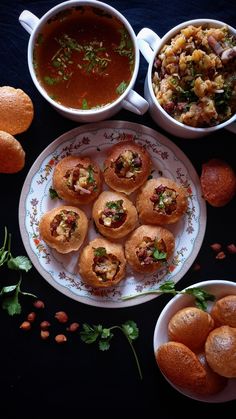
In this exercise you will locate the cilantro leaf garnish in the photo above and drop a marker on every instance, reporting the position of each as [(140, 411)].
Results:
[(199, 294), (53, 193), (103, 335), (100, 251), (10, 296)]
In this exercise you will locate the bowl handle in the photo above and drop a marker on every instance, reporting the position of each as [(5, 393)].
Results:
[(148, 42), (135, 103), (28, 20)]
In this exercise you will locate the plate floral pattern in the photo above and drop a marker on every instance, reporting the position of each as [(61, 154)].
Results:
[(95, 140)]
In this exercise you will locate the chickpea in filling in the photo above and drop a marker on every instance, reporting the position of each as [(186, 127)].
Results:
[(114, 214), (105, 265), (151, 251), (128, 164), (81, 179), (64, 224), (164, 200), (194, 76)]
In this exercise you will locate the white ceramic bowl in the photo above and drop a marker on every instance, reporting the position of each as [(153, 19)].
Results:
[(150, 44), (218, 288), (129, 99)]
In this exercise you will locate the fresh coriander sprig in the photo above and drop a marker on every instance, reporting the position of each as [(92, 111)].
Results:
[(102, 335), (10, 294), (201, 296)]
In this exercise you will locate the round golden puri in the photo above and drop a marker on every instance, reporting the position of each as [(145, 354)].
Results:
[(127, 167), (220, 349), (16, 110), (156, 207), (64, 228), (12, 155), (190, 326), (218, 182), (102, 263), (140, 247), (224, 311), (77, 180), (114, 215)]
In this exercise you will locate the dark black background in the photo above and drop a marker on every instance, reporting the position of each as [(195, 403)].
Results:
[(40, 379)]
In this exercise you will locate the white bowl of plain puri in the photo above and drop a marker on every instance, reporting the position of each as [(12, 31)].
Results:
[(190, 83), (83, 58)]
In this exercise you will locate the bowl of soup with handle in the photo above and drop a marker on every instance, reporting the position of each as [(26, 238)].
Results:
[(191, 79), (83, 58)]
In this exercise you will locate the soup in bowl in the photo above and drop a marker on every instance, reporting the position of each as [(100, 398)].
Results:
[(191, 79), (83, 58)]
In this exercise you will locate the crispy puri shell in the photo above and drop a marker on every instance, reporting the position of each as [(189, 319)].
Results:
[(12, 155), (220, 349), (224, 311), (86, 258), (77, 238), (136, 238), (126, 185), (218, 182), (183, 368), (16, 110), (190, 326), (145, 208), (130, 222), (60, 185), (180, 365)]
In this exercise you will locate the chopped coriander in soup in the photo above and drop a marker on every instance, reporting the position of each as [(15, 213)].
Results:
[(83, 58)]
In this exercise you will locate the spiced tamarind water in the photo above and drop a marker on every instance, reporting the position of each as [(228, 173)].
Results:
[(84, 58)]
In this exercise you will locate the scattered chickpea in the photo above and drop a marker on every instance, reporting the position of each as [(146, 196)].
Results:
[(231, 248), (216, 247), (73, 327), (45, 325), (60, 338), (61, 316), (38, 304), (221, 255), (25, 325), (196, 267), (31, 317), (44, 334)]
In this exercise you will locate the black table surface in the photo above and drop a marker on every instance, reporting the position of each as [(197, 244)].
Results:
[(39, 378)]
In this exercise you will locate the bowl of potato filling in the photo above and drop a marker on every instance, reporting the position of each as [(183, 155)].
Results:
[(191, 79)]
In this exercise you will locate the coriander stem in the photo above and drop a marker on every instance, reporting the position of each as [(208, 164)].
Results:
[(129, 297), (133, 350)]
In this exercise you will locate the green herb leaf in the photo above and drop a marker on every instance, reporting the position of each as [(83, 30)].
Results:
[(84, 104), (91, 174), (89, 334), (159, 255), (21, 263), (167, 286), (50, 80), (104, 345), (121, 88), (130, 328), (100, 251), (53, 193), (11, 300)]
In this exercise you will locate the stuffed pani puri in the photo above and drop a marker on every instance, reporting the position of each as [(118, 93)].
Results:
[(148, 248), (161, 201), (77, 180), (102, 263), (127, 167), (114, 215), (64, 228)]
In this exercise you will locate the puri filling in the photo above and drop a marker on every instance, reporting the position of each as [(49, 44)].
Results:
[(114, 214), (105, 265), (164, 200), (81, 179), (128, 164), (151, 251), (64, 224)]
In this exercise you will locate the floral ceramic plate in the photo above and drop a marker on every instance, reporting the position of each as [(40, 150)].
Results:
[(95, 140)]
